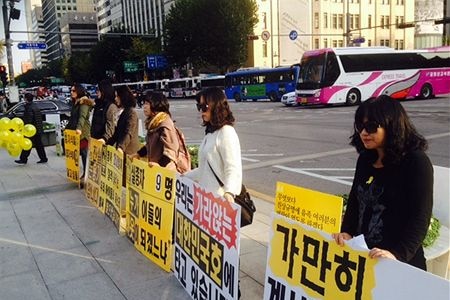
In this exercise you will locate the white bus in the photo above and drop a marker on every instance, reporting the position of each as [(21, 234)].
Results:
[(352, 75), (212, 81), (183, 87)]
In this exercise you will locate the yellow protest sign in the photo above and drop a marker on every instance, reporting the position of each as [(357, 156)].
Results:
[(319, 210), (92, 187), (111, 183), (72, 150), (150, 206), (312, 265)]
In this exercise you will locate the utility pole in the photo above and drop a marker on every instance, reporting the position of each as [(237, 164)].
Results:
[(347, 24), (8, 42)]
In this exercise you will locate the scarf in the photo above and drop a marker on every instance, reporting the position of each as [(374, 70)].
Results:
[(210, 128), (152, 123)]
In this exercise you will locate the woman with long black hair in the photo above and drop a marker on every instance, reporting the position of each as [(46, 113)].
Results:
[(391, 199)]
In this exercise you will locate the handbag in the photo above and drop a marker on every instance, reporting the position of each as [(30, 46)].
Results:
[(248, 207)]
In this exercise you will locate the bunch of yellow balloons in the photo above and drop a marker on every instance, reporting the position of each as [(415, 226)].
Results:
[(14, 135)]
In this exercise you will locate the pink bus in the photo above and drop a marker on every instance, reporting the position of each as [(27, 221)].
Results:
[(351, 75)]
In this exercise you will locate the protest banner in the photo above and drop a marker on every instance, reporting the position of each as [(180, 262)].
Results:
[(305, 263), (319, 210), (111, 183), (150, 207), (92, 188), (206, 242), (72, 151)]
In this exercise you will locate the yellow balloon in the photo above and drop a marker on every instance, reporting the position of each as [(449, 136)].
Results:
[(26, 144), (29, 130), (15, 152), (5, 123), (17, 124), (14, 149), (4, 135), (15, 137), (3, 144)]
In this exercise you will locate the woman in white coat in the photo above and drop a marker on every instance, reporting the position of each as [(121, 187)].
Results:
[(220, 151)]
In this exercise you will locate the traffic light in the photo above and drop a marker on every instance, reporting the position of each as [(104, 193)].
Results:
[(3, 75), (442, 21)]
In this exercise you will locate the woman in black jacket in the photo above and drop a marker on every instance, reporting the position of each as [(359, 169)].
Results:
[(32, 115), (105, 110)]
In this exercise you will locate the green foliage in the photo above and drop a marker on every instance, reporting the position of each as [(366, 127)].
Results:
[(432, 233), (193, 152), (210, 33), (433, 229)]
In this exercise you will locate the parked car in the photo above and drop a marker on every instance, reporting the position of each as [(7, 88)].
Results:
[(47, 106), (289, 99)]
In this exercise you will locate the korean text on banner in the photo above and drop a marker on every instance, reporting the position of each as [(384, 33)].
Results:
[(111, 183), (72, 149), (206, 242), (92, 187), (307, 264), (150, 206), (304, 263), (319, 210)]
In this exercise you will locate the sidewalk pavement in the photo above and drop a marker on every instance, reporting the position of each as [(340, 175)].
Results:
[(55, 245)]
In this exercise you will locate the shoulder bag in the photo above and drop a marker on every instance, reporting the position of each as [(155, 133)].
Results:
[(243, 199)]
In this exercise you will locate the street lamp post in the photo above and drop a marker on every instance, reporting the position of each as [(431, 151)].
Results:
[(13, 14)]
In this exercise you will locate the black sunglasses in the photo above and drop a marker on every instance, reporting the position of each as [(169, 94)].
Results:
[(202, 107), (370, 127)]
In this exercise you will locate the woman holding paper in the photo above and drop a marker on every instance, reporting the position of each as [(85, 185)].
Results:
[(391, 199)]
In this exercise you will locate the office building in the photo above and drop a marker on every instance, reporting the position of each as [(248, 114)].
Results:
[(83, 23), (52, 11)]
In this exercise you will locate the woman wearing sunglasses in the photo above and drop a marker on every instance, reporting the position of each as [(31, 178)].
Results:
[(79, 120), (391, 199), (220, 150)]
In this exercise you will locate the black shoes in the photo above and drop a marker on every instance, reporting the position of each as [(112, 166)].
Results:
[(42, 161), (20, 162)]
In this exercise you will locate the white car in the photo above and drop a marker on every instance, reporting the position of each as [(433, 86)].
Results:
[(289, 99)]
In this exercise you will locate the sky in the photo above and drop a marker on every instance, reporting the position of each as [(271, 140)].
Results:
[(20, 25)]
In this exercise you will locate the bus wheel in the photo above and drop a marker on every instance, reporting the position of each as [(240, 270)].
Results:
[(426, 92), (237, 97), (353, 97), (273, 96)]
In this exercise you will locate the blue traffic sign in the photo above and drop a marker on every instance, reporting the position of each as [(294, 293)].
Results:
[(359, 40), (155, 62), (293, 35), (32, 45)]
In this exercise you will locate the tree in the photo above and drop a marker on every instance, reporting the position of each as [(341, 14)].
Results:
[(210, 32), (78, 68), (109, 54), (141, 47)]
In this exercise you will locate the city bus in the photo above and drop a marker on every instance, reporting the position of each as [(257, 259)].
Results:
[(351, 75), (182, 87), (258, 83), (212, 81)]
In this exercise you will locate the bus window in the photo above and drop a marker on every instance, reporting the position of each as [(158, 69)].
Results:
[(331, 70)]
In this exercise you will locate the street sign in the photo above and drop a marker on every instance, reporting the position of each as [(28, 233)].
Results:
[(293, 35), (359, 40), (32, 45), (155, 62), (130, 66), (265, 35)]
